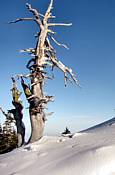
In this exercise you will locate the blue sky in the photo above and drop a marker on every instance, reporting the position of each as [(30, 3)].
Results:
[(91, 40)]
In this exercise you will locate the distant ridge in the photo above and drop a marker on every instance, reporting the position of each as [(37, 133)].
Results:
[(98, 126)]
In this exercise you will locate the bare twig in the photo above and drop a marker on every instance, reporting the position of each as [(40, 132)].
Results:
[(59, 44), (41, 15), (30, 50), (23, 76), (3, 111), (21, 19), (51, 31)]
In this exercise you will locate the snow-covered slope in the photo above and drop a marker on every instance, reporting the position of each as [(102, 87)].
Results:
[(91, 152), (101, 125)]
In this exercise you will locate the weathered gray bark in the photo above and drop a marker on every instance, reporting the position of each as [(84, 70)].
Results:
[(37, 126)]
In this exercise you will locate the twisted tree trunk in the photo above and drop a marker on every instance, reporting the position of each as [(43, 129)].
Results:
[(17, 113)]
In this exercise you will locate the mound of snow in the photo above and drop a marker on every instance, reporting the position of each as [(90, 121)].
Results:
[(90, 152)]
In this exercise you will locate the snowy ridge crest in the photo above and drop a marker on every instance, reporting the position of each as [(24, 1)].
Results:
[(101, 125)]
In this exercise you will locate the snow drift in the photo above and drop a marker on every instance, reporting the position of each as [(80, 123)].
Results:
[(90, 152)]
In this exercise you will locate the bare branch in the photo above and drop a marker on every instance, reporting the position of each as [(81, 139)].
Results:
[(41, 15), (59, 44), (73, 76), (48, 77), (46, 99), (23, 76), (35, 13), (49, 114), (31, 97), (65, 70), (51, 31), (21, 19), (52, 16), (38, 81), (3, 111), (50, 46), (30, 50), (59, 24), (48, 12)]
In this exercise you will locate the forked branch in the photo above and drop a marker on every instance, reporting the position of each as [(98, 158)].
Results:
[(35, 13)]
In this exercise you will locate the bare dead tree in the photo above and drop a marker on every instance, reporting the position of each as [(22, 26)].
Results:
[(43, 56)]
